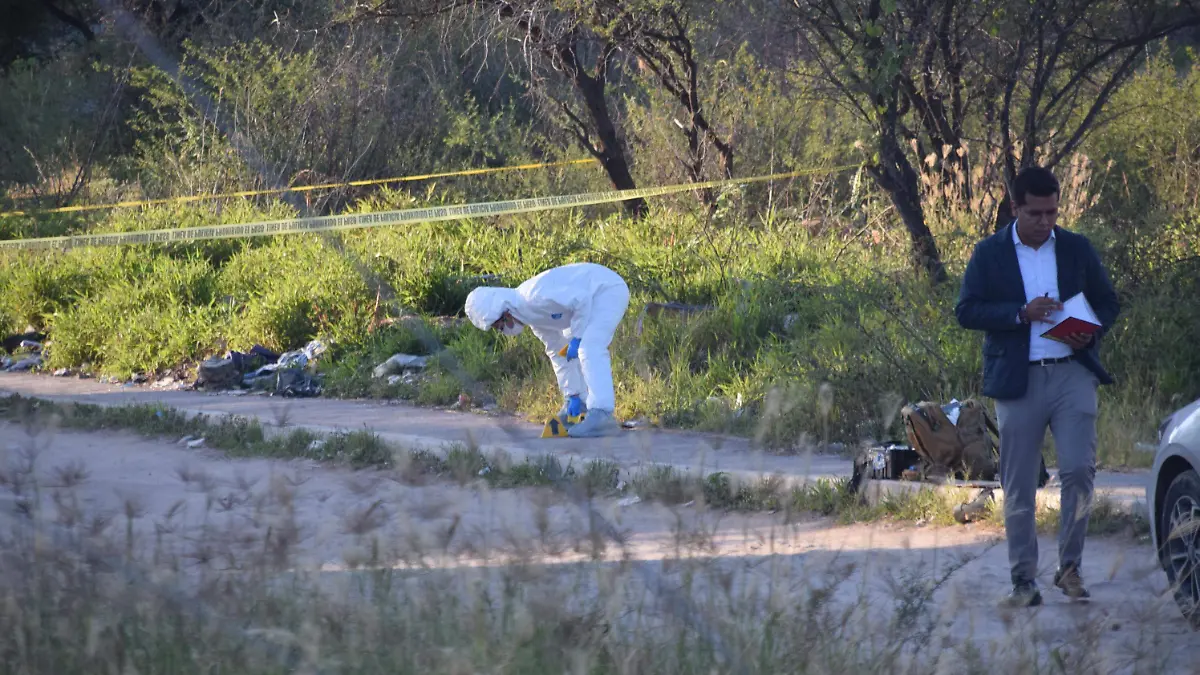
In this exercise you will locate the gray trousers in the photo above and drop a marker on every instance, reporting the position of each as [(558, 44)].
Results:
[(1062, 396)]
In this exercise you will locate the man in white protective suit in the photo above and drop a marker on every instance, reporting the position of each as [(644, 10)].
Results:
[(574, 310)]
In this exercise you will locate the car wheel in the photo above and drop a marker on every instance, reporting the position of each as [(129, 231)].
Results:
[(1179, 523)]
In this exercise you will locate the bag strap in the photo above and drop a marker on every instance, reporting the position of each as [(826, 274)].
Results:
[(988, 421)]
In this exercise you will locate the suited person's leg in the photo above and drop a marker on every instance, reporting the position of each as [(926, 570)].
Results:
[(1022, 424), (1073, 424)]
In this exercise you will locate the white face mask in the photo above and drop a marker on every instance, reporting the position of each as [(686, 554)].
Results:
[(513, 330)]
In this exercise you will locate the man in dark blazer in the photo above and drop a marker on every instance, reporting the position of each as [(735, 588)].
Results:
[(1015, 281)]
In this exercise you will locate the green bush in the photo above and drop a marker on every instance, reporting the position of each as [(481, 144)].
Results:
[(163, 319), (288, 291)]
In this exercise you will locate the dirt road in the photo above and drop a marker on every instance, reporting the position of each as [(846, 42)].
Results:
[(411, 426), (171, 503)]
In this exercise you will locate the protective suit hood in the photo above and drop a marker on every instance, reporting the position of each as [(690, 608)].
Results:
[(485, 305)]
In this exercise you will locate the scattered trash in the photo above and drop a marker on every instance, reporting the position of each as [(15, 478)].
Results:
[(264, 381), (888, 461), (689, 503), (629, 501), (633, 424), (464, 401), (217, 373), (398, 363), (485, 471), (28, 363), (30, 345), (295, 383), (5, 362), (294, 359), (257, 357), (975, 509), (316, 445), (12, 343), (64, 372), (198, 443), (185, 440), (393, 380), (138, 378), (620, 485)]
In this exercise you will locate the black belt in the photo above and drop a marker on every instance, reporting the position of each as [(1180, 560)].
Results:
[(1051, 362)]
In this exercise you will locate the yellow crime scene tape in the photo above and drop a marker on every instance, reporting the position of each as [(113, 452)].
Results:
[(385, 218), (298, 188)]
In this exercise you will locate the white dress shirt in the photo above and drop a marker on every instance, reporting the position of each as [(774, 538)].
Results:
[(1039, 272)]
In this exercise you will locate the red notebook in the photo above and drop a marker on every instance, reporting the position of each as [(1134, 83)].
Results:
[(1076, 316)]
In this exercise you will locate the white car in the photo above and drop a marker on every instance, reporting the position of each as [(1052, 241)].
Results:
[(1173, 499)]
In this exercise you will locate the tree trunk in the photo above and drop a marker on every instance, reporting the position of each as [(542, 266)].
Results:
[(925, 254), (608, 148), (1004, 213), (898, 178)]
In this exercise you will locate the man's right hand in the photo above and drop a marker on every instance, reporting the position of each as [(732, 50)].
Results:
[(1042, 307)]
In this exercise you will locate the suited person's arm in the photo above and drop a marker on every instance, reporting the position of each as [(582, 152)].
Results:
[(1100, 292), (975, 311)]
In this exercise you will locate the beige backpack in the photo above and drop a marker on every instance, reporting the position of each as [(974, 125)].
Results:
[(971, 446)]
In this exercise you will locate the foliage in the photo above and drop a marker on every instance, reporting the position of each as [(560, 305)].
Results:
[(814, 331)]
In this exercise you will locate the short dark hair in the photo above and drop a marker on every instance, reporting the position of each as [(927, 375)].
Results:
[(1035, 181)]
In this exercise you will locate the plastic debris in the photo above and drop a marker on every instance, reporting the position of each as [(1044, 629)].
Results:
[(217, 373), (12, 343), (976, 509), (629, 501), (295, 383), (255, 358), (952, 410), (28, 363), (399, 363), (297, 359), (198, 443)]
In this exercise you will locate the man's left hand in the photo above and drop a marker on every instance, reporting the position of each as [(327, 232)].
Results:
[(1078, 340)]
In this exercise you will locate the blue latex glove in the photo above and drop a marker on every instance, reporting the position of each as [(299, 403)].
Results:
[(573, 349), (574, 405)]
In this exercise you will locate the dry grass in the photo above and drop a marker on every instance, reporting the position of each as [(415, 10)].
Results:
[(88, 592), (598, 478)]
